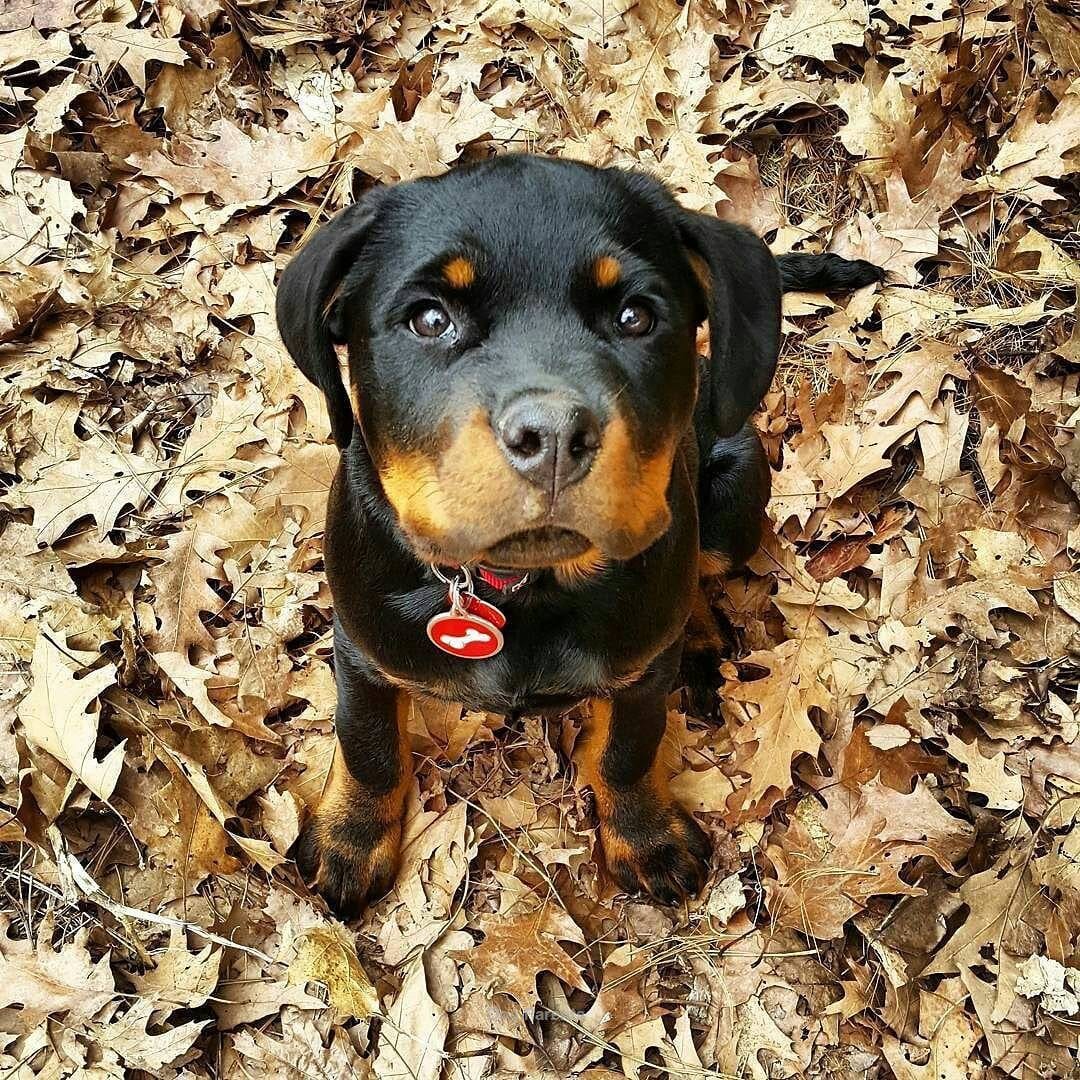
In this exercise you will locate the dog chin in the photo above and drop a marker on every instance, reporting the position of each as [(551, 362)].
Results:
[(535, 548), (529, 549)]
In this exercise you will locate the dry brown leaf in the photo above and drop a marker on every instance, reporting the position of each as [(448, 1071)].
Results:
[(812, 29), (777, 727), (1062, 34), (194, 682), (183, 593), (1036, 148), (414, 1032), (1067, 593), (246, 995), (880, 124), (639, 81), (100, 484), (131, 47), (43, 981), (831, 860), (241, 170), (180, 979), (987, 775), (125, 1035), (969, 605), (516, 949), (56, 716), (280, 818), (951, 1035), (855, 453), (300, 1054)]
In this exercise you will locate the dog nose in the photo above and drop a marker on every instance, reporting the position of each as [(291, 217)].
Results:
[(551, 441)]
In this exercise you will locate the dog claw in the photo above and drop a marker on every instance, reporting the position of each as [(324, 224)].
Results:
[(348, 875), (668, 861)]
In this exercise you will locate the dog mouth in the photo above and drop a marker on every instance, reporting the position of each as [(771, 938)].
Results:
[(534, 548)]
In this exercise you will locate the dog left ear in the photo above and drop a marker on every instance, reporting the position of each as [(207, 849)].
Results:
[(308, 306), (742, 302)]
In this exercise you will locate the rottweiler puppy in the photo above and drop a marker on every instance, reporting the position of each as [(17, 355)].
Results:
[(532, 459)]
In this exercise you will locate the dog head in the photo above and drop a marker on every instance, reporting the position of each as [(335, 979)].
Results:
[(520, 351)]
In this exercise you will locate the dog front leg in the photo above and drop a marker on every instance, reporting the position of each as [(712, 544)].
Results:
[(651, 844), (350, 846)]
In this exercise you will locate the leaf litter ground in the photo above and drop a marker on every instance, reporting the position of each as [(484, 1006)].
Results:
[(892, 776)]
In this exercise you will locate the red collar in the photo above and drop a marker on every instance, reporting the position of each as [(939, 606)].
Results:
[(502, 580)]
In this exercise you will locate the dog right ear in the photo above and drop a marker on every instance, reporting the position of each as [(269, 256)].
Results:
[(308, 305), (742, 294)]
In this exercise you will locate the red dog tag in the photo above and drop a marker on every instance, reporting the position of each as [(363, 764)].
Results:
[(465, 635)]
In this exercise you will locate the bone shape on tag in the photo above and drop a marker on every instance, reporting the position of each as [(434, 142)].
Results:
[(459, 641)]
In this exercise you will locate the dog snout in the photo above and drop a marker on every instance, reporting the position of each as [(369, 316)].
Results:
[(550, 439)]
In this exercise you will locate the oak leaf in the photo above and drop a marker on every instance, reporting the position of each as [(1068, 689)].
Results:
[(131, 47), (44, 981), (969, 605), (211, 455), (247, 994), (100, 484), (516, 949), (55, 715), (812, 28), (831, 860), (327, 955), (194, 682), (996, 900), (949, 1031), (856, 452), (639, 81), (881, 122), (240, 170), (183, 592), (1062, 33), (1067, 593), (775, 725), (412, 1038), (1036, 148), (301, 1053), (919, 374), (127, 1035), (180, 979)]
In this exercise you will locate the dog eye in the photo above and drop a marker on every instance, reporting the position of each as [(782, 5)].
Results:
[(634, 320), (431, 322)]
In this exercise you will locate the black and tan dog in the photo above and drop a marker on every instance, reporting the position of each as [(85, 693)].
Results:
[(526, 425)]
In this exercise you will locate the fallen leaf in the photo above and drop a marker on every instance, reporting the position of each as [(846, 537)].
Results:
[(516, 949), (413, 1034), (1035, 149), (812, 29), (778, 727), (183, 593), (832, 860), (100, 484), (55, 715), (130, 47), (326, 955), (1044, 978), (180, 979), (45, 982)]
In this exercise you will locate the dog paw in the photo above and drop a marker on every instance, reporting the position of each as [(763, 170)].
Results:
[(351, 861), (658, 850)]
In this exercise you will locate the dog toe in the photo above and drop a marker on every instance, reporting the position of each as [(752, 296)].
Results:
[(348, 875), (668, 860)]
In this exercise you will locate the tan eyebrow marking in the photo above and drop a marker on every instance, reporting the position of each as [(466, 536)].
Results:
[(459, 272), (606, 271)]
